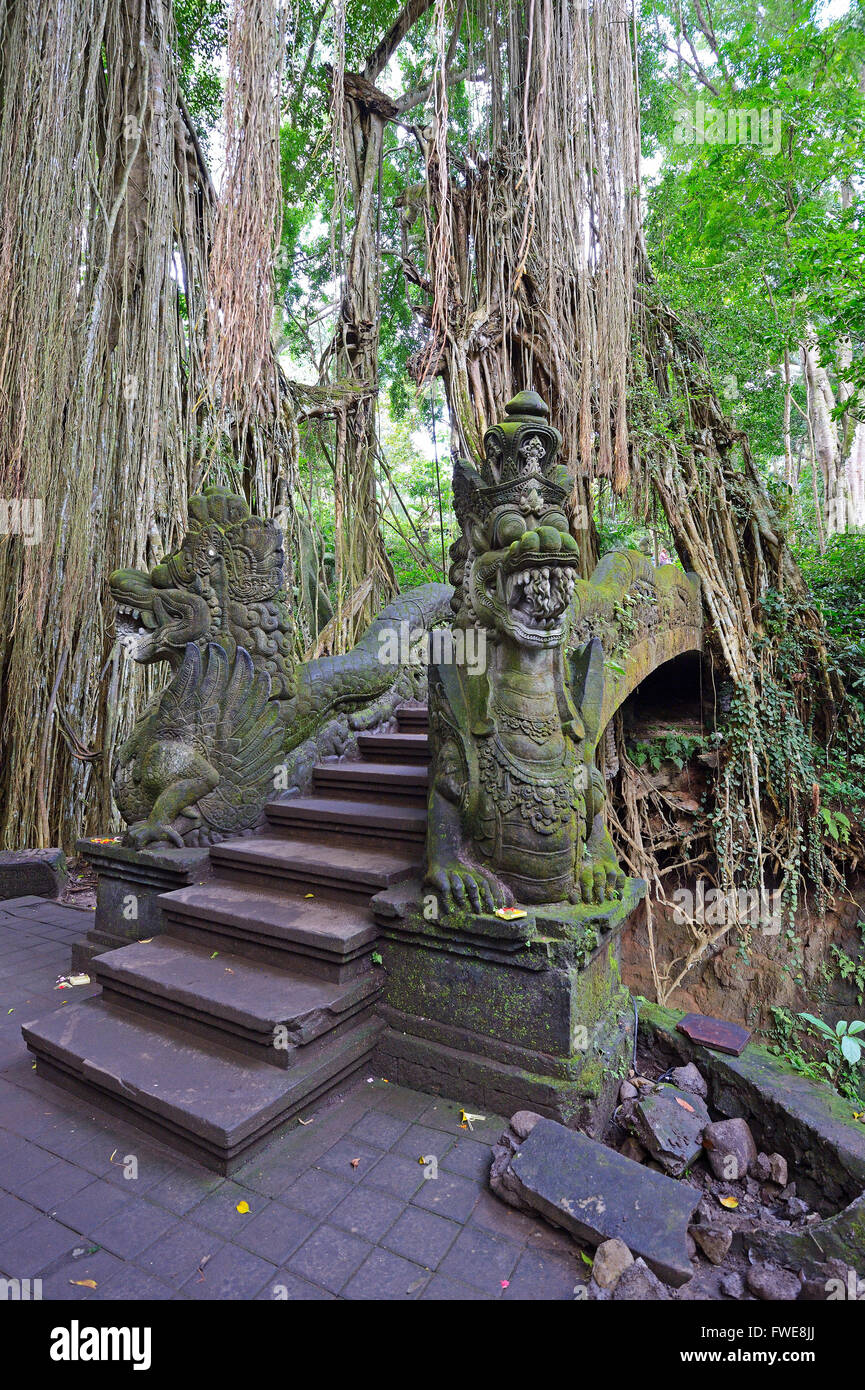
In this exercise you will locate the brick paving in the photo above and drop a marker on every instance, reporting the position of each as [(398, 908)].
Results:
[(319, 1225)]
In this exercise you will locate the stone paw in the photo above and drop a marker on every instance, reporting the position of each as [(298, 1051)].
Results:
[(149, 832), (459, 886), (598, 883)]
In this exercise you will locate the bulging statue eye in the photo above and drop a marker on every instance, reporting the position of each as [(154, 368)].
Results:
[(557, 519), (509, 528)]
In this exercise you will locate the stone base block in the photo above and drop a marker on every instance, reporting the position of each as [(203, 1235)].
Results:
[(28, 873), (127, 895), (528, 1014)]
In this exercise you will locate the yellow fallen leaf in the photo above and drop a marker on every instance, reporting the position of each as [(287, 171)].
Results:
[(309, 895), (729, 1202), (510, 914), (684, 1104), (84, 1283), (242, 1207)]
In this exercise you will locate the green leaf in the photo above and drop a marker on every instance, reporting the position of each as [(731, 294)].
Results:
[(818, 1023), (852, 1050)]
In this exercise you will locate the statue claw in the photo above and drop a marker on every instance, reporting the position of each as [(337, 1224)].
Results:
[(148, 832), (460, 886)]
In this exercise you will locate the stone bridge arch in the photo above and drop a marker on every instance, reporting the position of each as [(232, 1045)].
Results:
[(644, 617)]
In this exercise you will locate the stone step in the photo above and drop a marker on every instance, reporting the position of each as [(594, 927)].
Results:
[(598, 1195), (399, 747), (268, 1012), (331, 865), (377, 820), (378, 781), (206, 1100), (328, 939), (412, 717)]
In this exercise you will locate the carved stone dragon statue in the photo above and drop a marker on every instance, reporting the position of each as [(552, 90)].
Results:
[(516, 802), (208, 750)]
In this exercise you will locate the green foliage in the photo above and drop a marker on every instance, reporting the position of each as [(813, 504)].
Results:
[(850, 969), (821, 1052), (672, 747), (753, 239), (201, 27)]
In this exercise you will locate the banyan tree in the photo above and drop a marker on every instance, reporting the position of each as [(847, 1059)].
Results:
[(479, 160)]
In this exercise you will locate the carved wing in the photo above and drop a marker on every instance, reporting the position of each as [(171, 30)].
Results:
[(242, 729)]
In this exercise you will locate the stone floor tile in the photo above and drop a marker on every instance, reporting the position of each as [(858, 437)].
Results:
[(384, 1275), (480, 1258), (449, 1195), (421, 1236), (329, 1257), (367, 1212)]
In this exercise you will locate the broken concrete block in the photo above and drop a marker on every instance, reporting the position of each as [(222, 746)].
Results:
[(38, 873), (598, 1195), (714, 1241), (733, 1285), (730, 1147), (778, 1169), (669, 1124), (688, 1078), (775, 1285), (638, 1284), (611, 1260), (523, 1122), (761, 1169)]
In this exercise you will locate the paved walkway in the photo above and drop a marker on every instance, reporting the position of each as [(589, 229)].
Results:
[(338, 1208)]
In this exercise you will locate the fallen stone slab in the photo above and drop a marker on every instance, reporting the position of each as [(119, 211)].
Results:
[(38, 873), (598, 1195), (716, 1033), (669, 1124)]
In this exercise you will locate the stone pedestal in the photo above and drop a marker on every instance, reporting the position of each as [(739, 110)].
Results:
[(127, 897), (39, 873), (528, 1014)]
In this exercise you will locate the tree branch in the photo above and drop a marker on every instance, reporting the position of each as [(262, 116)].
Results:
[(385, 49)]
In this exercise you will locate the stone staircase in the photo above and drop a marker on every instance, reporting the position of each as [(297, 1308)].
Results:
[(259, 997)]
